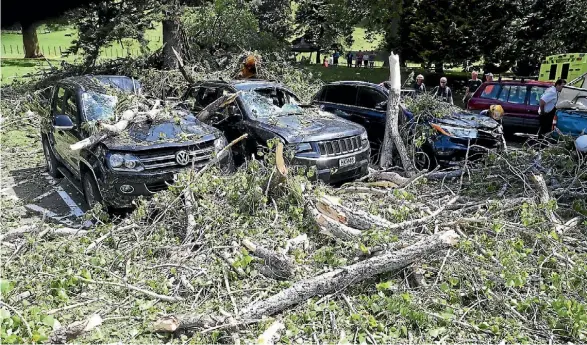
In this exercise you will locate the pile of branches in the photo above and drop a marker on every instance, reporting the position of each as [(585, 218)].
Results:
[(495, 253)]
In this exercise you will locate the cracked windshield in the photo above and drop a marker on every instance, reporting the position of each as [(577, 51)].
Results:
[(264, 103)]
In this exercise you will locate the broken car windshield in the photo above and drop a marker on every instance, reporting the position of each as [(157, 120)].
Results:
[(264, 106), (98, 106)]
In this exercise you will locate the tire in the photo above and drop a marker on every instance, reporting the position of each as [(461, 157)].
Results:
[(425, 160), (91, 190), (51, 160)]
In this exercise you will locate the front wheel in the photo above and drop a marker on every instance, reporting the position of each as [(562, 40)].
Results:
[(52, 162), (91, 190)]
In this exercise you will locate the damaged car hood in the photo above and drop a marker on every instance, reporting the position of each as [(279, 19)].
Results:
[(468, 120), (145, 135), (320, 126)]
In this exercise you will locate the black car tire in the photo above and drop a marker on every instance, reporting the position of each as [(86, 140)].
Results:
[(52, 162), (91, 190)]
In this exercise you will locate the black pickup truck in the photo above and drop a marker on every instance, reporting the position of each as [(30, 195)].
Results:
[(117, 170), (338, 149)]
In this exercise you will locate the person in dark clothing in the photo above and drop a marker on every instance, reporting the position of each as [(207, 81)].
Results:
[(443, 92), (335, 57), (472, 86), (547, 108), (419, 86), (349, 59)]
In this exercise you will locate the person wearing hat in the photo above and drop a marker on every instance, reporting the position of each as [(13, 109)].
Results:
[(443, 92), (419, 86)]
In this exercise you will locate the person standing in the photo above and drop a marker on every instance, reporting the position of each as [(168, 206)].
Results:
[(472, 86), (349, 59), (372, 59), (335, 57), (359, 59), (443, 92), (419, 86), (547, 108), (366, 59)]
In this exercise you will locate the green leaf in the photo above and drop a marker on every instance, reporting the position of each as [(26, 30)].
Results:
[(48, 320), (5, 286), (436, 331), (444, 287), (4, 314), (383, 286)]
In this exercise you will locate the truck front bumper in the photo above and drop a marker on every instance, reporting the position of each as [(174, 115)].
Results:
[(333, 169)]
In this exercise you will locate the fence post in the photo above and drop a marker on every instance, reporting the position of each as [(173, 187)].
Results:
[(17, 50)]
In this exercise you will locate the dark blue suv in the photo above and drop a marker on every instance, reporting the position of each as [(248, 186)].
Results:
[(365, 103)]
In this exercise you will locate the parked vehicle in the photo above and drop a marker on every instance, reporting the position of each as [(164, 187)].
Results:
[(365, 103), (266, 110), (520, 100), (571, 115), (117, 170), (563, 66)]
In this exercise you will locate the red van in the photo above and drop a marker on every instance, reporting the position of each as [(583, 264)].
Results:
[(520, 101)]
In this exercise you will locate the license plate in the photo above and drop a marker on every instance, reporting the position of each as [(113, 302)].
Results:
[(343, 162)]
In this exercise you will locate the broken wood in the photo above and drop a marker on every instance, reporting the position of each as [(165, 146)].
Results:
[(333, 228), (64, 334), (281, 266), (188, 77), (345, 276), (267, 338), (219, 154), (30, 229), (358, 219), (206, 114)]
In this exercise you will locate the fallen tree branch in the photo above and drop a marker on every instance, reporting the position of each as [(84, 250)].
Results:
[(64, 334), (267, 338), (333, 228), (22, 231), (425, 219), (339, 278), (132, 287), (358, 219), (220, 154), (282, 266)]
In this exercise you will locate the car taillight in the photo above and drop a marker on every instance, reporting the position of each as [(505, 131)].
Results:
[(554, 120)]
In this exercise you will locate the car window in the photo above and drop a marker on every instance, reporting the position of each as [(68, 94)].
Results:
[(503, 95), (70, 107), (517, 94), (59, 101), (369, 97), (260, 106), (205, 95), (278, 96), (341, 94), (536, 93), (491, 91)]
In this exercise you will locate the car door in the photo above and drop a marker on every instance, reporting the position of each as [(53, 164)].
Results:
[(63, 138), (71, 108), (513, 100), (485, 97), (340, 100), (373, 119)]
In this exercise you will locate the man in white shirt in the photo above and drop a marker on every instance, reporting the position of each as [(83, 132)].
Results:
[(547, 107)]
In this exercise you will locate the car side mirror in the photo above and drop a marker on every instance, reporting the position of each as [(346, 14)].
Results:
[(62, 123)]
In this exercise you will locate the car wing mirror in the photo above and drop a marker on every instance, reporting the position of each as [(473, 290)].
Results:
[(62, 123)]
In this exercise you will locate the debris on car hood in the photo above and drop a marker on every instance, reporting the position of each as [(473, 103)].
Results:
[(468, 121)]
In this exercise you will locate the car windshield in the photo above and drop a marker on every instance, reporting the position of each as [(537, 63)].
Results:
[(98, 106), (264, 104)]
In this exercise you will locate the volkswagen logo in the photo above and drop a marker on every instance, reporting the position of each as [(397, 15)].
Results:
[(182, 158)]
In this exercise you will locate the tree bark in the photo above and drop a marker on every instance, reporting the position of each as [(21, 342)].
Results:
[(392, 137), (171, 36), (30, 41)]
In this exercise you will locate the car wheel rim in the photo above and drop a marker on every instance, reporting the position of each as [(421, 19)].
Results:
[(48, 158)]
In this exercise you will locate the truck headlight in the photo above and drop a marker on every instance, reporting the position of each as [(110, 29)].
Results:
[(125, 162), (219, 144)]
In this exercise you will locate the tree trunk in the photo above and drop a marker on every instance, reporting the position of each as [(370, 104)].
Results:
[(392, 138), (318, 57), (171, 37), (30, 41)]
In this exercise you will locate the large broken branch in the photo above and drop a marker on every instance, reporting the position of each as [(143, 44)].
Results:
[(188, 77), (320, 285), (205, 114), (333, 228), (345, 276)]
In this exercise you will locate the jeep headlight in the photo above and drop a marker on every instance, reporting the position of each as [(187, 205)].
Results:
[(303, 147), (364, 138), (219, 144), (126, 162)]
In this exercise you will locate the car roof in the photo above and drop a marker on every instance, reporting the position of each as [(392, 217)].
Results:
[(520, 82), (353, 82), (88, 82)]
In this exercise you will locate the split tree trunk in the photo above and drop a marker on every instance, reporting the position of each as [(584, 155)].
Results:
[(392, 138), (171, 36), (30, 41)]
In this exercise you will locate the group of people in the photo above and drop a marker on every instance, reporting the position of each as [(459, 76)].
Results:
[(444, 93), (366, 59)]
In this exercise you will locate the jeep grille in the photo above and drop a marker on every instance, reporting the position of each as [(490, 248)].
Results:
[(165, 158), (339, 147)]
